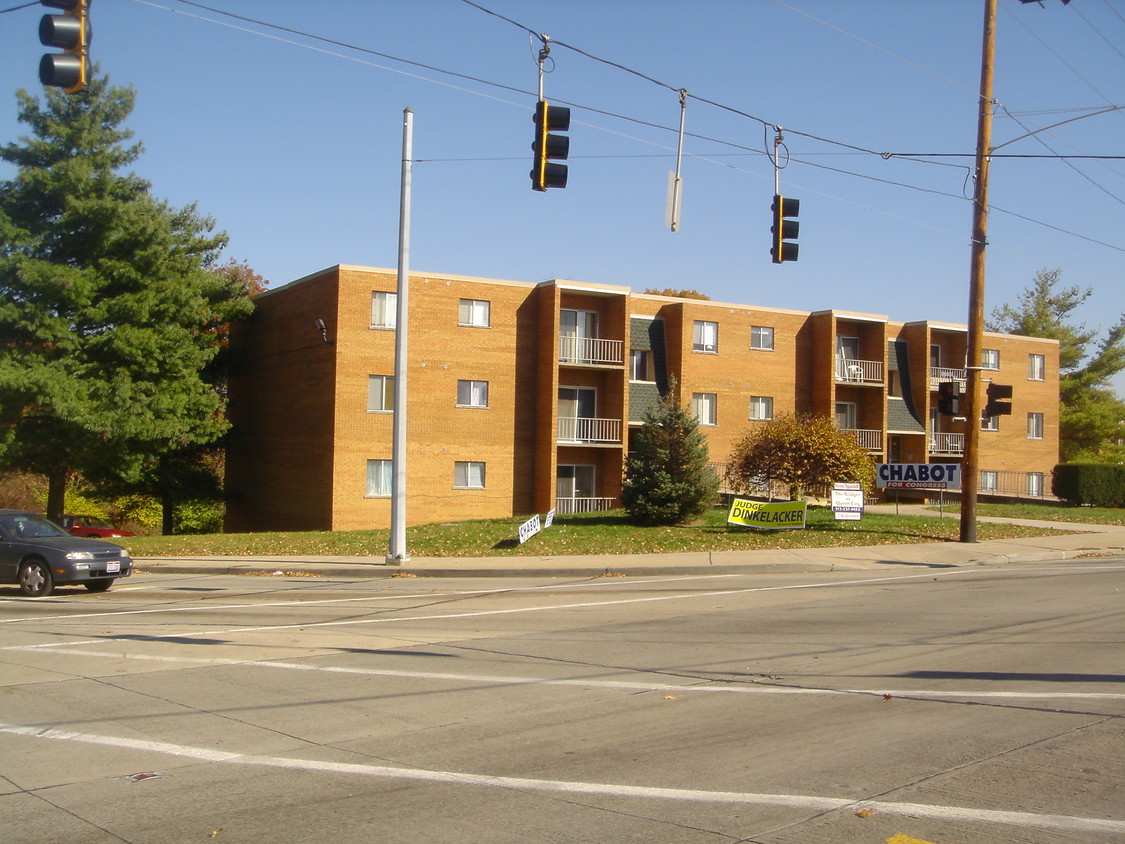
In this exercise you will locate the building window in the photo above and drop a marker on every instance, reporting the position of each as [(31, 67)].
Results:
[(378, 478), (705, 336), (761, 337), (1035, 426), (380, 393), (1035, 483), (990, 423), (703, 405), (846, 415), (639, 367), (1035, 367), (761, 407), (990, 358), (473, 312), (383, 309), (988, 482), (472, 394), (468, 474)]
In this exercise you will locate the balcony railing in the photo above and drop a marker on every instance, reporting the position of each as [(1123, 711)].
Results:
[(939, 374), (947, 443), (591, 350), (871, 440), (859, 371), (587, 430), (567, 506)]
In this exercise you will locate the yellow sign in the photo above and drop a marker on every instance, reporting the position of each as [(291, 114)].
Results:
[(778, 515)]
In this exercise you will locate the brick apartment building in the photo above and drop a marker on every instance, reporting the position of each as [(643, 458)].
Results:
[(522, 397)]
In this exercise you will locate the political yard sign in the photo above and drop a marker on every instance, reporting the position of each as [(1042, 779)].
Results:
[(774, 515), (918, 476)]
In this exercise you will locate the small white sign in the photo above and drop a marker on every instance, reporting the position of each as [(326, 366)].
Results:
[(549, 519), (847, 502), (529, 528)]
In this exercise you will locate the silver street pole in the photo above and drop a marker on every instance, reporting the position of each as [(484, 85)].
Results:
[(397, 552)]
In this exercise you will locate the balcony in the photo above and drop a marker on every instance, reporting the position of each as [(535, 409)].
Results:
[(587, 430), (568, 506), (938, 374), (947, 443), (851, 371), (591, 351), (869, 439)]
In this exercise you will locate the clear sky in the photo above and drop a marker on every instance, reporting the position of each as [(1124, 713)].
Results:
[(294, 145)]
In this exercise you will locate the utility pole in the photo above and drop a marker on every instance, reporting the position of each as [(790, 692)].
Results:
[(396, 554), (970, 477)]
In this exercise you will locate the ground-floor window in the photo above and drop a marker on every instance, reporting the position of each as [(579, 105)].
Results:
[(468, 474), (378, 478), (574, 482), (988, 482), (1035, 483)]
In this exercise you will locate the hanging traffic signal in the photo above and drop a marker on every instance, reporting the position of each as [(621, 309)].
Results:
[(71, 32), (995, 405), (784, 231), (949, 398), (549, 120)]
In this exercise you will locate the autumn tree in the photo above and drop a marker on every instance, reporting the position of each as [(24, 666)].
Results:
[(110, 304), (668, 479), (801, 452), (1091, 415), (679, 294)]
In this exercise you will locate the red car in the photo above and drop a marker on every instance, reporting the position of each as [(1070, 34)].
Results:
[(92, 527)]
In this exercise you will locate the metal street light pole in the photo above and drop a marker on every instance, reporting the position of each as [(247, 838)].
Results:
[(396, 554), (970, 479)]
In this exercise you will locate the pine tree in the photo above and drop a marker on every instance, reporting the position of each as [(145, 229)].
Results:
[(668, 480), (109, 304)]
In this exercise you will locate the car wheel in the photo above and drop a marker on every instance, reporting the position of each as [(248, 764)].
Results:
[(98, 585), (35, 579)]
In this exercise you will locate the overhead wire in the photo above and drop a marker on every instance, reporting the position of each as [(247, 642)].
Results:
[(915, 158)]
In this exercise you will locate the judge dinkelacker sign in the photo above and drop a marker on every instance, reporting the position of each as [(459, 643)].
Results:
[(776, 515)]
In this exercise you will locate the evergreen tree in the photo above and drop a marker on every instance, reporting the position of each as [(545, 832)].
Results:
[(109, 305), (668, 480), (1091, 415)]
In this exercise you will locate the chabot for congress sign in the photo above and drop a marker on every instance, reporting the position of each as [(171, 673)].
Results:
[(918, 476)]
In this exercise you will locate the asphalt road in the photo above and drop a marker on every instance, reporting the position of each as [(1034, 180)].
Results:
[(917, 704)]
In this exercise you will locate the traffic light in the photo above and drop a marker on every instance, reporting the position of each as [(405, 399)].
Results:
[(949, 398), (549, 120), (784, 231), (996, 407), (66, 70)]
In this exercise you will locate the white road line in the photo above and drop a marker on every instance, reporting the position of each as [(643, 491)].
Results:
[(434, 617), (723, 687), (795, 801)]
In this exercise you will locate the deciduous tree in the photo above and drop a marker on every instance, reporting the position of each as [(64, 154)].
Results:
[(802, 452), (1091, 415)]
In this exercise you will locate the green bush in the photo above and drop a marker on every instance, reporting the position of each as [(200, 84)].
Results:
[(1099, 484)]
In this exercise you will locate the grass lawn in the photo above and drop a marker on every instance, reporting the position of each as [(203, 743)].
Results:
[(602, 533)]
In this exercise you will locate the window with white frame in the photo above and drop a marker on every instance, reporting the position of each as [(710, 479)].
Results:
[(761, 337), (380, 393), (468, 474), (705, 336), (990, 358), (989, 482), (378, 478), (640, 367), (472, 393), (990, 423), (703, 405), (1035, 483), (1035, 370), (761, 407), (474, 312), (1035, 426), (383, 309)]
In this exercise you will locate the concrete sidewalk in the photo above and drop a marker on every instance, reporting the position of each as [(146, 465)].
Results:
[(1072, 541)]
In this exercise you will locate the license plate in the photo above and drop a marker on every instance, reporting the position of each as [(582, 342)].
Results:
[(112, 568)]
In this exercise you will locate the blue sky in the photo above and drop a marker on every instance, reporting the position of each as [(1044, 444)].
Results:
[(294, 145)]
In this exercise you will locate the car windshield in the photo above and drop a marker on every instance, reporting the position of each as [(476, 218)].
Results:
[(26, 525)]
